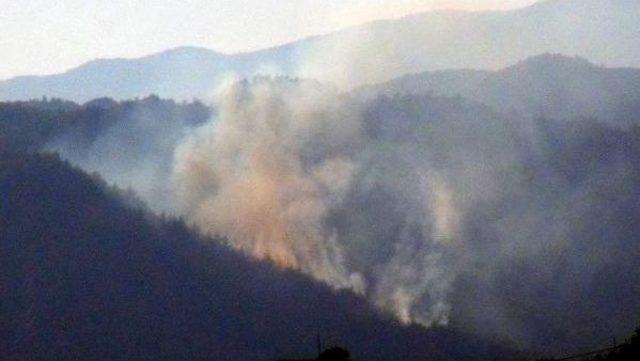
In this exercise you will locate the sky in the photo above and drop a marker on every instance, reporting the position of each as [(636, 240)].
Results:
[(49, 36)]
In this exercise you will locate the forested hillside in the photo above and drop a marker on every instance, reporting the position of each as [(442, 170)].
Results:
[(361, 180), (29, 125), (545, 203), (87, 272)]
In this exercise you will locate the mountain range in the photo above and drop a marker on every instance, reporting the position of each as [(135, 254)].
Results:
[(602, 31)]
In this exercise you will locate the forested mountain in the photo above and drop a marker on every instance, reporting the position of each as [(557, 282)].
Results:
[(127, 137), (552, 86), (87, 272), (529, 241), (603, 31)]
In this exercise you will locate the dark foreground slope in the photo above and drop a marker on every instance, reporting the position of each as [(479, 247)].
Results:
[(86, 274)]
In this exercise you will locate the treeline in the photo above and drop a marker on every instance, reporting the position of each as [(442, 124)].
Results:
[(28, 125), (628, 351)]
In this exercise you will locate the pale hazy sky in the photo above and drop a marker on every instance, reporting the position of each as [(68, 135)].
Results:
[(48, 36)]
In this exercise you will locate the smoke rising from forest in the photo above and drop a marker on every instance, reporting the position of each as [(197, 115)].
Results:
[(276, 167), (436, 209)]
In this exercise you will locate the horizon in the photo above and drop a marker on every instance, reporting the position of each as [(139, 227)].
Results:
[(174, 26)]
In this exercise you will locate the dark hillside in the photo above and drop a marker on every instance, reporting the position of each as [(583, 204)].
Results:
[(83, 275)]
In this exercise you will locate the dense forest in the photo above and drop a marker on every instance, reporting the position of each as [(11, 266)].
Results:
[(371, 180), (540, 255), (29, 125), (86, 272)]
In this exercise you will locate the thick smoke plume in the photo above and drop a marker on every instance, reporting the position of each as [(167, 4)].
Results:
[(277, 167), (268, 170)]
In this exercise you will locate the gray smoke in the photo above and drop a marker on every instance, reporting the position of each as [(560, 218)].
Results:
[(438, 210), (277, 172)]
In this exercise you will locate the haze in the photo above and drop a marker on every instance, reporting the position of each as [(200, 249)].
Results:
[(43, 37)]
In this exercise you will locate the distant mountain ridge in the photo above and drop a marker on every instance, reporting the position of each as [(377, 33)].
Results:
[(548, 85), (603, 31)]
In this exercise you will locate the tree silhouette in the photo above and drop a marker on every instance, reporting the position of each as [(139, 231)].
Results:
[(335, 354)]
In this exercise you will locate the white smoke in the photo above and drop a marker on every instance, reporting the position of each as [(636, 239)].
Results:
[(258, 176), (280, 159)]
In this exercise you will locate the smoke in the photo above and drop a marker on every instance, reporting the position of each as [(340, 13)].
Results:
[(133, 149), (279, 170), (437, 210), (268, 170)]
